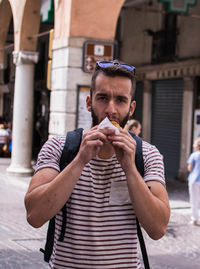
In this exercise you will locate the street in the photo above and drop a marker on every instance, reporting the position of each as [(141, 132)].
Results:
[(20, 243)]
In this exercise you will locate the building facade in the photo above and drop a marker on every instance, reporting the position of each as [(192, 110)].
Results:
[(159, 37)]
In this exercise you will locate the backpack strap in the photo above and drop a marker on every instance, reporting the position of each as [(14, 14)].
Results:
[(47, 251), (71, 148), (138, 156), (140, 167)]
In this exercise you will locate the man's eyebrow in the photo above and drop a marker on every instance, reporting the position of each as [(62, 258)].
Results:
[(122, 97), (101, 94)]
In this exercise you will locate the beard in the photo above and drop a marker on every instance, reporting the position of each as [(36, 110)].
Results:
[(96, 121)]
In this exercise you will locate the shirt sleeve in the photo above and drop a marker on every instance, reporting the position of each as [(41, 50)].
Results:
[(49, 155), (191, 159), (153, 163)]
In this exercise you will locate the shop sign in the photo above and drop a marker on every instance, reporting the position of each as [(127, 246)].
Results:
[(94, 51)]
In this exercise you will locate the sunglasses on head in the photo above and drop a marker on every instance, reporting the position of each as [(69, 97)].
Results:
[(105, 64)]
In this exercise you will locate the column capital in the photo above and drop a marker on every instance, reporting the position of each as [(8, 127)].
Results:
[(25, 57)]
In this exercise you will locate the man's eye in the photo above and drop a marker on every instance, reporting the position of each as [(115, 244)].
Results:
[(102, 98), (121, 100)]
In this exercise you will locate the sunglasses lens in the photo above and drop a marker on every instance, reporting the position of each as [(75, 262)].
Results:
[(128, 67), (105, 64)]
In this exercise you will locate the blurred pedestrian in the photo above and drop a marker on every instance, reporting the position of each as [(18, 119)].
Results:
[(194, 181), (9, 130), (134, 126), (4, 140)]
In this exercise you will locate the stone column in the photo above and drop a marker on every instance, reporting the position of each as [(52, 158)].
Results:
[(23, 113), (187, 121), (146, 118)]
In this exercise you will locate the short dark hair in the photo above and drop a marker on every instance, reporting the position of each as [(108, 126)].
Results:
[(114, 71), (133, 123)]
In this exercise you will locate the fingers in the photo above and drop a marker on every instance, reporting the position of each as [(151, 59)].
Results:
[(124, 141), (94, 134), (91, 144)]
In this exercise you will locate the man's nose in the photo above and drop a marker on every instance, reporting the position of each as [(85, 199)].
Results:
[(111, 108)]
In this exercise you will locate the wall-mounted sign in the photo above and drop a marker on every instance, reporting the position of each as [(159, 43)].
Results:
[(179, 6), (84, 119), (94, 51)]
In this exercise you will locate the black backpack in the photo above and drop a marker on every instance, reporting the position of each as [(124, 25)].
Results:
[(71, 148)]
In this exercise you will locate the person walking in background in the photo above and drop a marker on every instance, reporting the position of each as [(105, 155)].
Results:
[(134, 126), (9, 130), (194, 181), (4, 141)]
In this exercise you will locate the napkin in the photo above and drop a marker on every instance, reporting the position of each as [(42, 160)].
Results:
[(106, 123)]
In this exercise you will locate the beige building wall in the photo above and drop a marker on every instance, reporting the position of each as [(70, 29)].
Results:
[(136, 45), (86, 18), (188, 45)]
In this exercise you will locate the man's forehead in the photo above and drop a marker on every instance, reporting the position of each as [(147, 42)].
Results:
[(116, 85)]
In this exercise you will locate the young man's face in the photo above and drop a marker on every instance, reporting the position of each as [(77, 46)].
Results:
[(111, 98)]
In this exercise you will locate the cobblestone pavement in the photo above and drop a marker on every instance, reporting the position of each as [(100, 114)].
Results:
[(20, 243), (180, 247)]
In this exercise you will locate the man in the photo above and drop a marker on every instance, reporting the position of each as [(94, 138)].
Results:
[(134, 126), (101, 187)]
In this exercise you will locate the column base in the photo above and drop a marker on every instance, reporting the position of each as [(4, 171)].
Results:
[(17, 170)]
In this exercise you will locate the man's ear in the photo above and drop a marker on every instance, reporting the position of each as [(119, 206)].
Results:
[(89, 103), (132, 108)]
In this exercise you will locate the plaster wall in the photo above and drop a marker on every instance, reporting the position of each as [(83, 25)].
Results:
[(136, 46), (62, 19), (67, 74), (86, 18), (135, 43), (188, 45)]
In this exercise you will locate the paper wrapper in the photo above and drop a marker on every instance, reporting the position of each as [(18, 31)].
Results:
[(107, 124)]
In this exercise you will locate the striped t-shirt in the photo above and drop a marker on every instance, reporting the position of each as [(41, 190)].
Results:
[(101, 228)]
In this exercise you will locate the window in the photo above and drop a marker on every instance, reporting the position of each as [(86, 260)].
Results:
[(164, 41)]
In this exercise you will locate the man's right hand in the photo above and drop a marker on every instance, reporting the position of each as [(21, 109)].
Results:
[(93, 140)]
